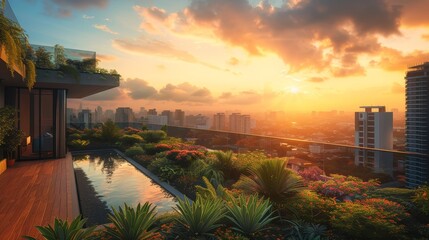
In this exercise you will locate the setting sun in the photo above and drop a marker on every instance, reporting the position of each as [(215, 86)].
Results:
[(294, 90)]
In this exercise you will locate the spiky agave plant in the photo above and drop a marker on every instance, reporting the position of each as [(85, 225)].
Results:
[(132, 223), (62, 230), (272, 180), (201, 217), (250, 214)]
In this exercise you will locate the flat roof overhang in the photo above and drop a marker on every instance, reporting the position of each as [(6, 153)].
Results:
[(78, 85)]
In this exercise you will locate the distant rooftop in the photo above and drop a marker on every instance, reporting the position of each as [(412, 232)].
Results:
[(369, 108)]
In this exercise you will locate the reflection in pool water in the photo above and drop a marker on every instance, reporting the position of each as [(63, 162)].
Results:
[(116, 182)]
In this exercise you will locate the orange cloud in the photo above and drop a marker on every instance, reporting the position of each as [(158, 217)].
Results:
[(294, 32), (394, 60)]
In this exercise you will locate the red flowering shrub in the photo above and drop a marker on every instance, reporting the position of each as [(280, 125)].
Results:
[(131, 131), (183, 146), (163, 147), (369, 219), (312, 174), (183, 157), (343, 188)]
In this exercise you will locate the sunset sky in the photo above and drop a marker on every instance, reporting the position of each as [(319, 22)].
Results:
[(254, 56)]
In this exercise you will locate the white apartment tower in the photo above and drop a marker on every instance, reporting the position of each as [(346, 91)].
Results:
[(219, 121), (374, 130), (239, 123)]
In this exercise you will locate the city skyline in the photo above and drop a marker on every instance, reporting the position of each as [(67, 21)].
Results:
[(161, 50)]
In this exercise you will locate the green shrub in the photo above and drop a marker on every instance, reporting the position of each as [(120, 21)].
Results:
[(79, 143), (153, 136), (130, 140), (249, 214), (165, 169), (421, 199), (64, 231), (272, 180), (245, 161), (134, 151), (369, 219), (75, 136), (311, 207), (132, 224), (201, 217)]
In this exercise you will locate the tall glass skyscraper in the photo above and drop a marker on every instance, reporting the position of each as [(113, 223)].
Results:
[(417, 124)]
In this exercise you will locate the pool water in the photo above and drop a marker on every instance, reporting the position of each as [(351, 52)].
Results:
[(107, 180)]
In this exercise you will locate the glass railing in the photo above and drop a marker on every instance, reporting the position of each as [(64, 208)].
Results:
[(393, 168), (47, 57)]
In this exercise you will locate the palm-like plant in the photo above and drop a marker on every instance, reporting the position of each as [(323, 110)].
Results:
[(250, 214), (201, 217), (225, 163), (132, 224), (213, 192), (63, 231), (273, 180)]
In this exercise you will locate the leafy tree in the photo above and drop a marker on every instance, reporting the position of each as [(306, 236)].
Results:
[(43, 58), (109, 131)]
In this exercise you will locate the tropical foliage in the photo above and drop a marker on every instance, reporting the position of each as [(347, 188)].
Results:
[(272, 180), (250, 214), (62, 230), (202, 217), (132, 224)]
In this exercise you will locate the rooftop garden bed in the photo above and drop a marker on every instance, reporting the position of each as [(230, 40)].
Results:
[(254, 196)]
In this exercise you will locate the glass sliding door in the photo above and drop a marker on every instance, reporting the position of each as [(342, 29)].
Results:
[(47, 129), (41, 117)]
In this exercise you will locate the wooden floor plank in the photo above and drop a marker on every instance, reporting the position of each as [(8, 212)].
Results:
[(35, 193)]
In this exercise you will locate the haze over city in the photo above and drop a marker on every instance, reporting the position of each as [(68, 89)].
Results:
[(218, 55)]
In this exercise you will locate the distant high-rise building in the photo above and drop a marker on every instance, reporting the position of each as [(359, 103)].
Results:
[(179, 118), (374, 130), (85, 118), (239, 123), (157, 119), (143, 112), (170, 116), (124, 115), (152, 112), (98, 115), (417, 124), (71, 116), (219, 121), (197, 121)]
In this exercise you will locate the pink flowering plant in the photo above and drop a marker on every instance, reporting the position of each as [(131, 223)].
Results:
[(343, 188)]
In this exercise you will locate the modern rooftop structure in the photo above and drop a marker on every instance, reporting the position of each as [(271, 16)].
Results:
[(417, 124), (42, 110), (374, 130)]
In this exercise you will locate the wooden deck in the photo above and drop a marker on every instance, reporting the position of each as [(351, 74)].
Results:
[(34, 193)]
